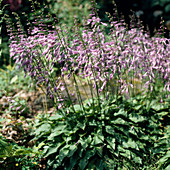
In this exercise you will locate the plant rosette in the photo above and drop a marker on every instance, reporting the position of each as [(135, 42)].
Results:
[(124, 135)]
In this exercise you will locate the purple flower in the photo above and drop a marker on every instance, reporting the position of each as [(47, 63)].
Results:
[(18, 108), (100, 59)]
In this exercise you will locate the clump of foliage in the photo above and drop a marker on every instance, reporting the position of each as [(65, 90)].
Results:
[(12, 80), (127, 74), (120, 134), (13, 156), (66, 10)]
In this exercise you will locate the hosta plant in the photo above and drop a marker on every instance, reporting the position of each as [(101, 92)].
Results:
[(122, 134), (124, 75)]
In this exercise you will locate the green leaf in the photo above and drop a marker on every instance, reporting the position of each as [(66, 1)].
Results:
[(77, 108), (19, 152), (81, 125), (92, 123), (43, 129), (164, 158), (110, 130), (56, 117), (130, 144), (85, 142), (96, 140), (63, 152), (121, 112), (57, 131), (10, 68), (138, 119), (119, 121), (72, 150), (137, 159), (168, 167), (100, 151), (5, 149), (137, 107), (88, 154), (51, 162), (82, 163), (14, 79), (73, 161), (125, 153), (167, 8), (52, 150), (163, 114), (157, 106), (110, 142)]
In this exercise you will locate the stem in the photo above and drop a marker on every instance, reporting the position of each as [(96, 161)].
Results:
[(78, 94), (65, 86), (83, 87), (97, 89), (91, 89)]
